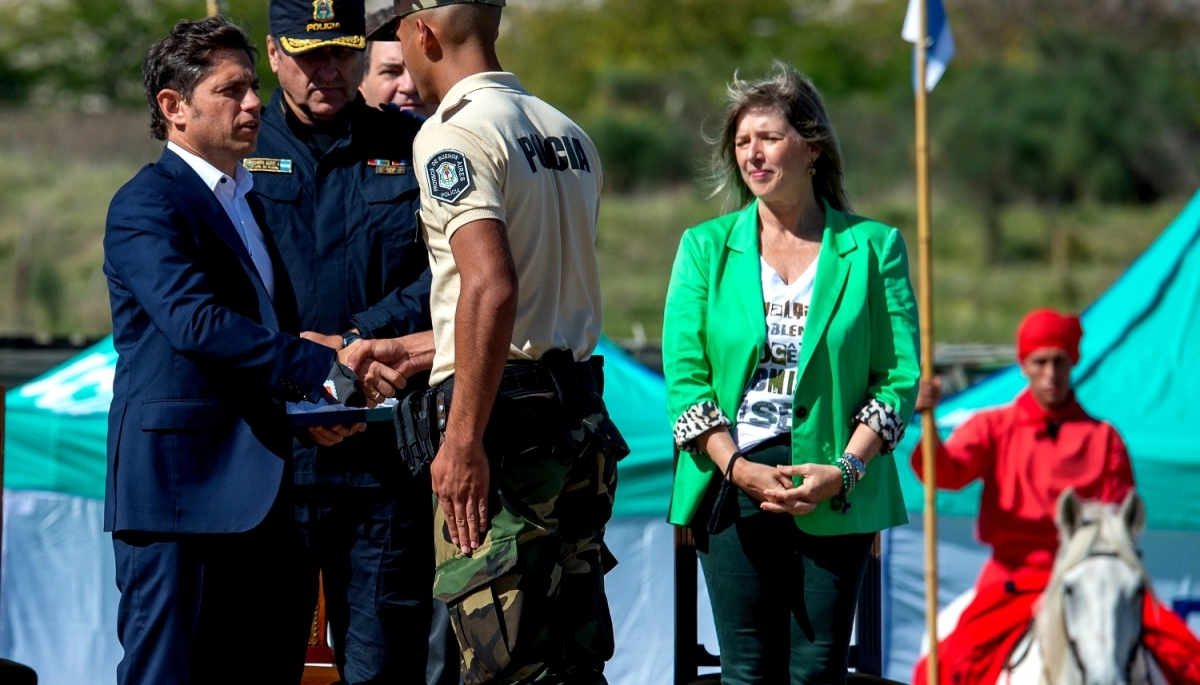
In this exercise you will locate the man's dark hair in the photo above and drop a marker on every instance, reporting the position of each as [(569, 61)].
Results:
[(179, 61)]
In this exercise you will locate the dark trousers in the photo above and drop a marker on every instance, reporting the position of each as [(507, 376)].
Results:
[(443, 666), (372, 546), (211, 608), (783, 601)]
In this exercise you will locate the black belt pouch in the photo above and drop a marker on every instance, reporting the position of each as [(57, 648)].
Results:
[(420, 421)]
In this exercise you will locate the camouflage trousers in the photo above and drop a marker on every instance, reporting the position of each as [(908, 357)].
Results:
[(529, 606)]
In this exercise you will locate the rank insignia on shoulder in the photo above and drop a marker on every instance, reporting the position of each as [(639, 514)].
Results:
[(449, 176), (273, 166), (388, 167)]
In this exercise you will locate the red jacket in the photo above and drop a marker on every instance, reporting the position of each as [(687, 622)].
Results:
[(1027, 456)]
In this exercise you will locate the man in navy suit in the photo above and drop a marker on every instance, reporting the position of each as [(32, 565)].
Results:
[(199, 445)]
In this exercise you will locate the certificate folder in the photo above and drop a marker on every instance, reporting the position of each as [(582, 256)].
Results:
[(304, 414)]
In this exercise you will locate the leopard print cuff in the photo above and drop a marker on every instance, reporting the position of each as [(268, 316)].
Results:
[(698, 419), (884, 420)]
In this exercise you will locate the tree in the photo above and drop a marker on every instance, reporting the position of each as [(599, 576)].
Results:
[(1077, 118), (88, 53), (647, 78)]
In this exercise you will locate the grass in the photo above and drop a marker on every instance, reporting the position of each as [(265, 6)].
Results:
[(638, 236), (58, 172)]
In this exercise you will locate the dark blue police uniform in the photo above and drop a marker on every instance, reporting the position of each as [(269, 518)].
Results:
[(341, 202)]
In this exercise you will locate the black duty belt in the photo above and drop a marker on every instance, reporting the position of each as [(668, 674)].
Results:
[(420, 418), (536, 376)]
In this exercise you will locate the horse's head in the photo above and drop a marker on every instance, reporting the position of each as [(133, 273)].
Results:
[(1092, 611)]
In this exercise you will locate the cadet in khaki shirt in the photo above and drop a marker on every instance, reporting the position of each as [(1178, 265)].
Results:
[(526, 469), (493, 152)]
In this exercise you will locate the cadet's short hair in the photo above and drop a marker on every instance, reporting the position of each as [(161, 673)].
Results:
[(795, 98), (179, 61)]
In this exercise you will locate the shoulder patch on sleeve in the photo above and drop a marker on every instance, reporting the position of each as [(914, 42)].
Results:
[(448, 175)]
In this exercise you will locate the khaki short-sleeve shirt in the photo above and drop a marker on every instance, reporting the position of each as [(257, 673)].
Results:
[(494, 151)]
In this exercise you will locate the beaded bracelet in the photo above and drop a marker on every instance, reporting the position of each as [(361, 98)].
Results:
[(849, 480), (849, 473)]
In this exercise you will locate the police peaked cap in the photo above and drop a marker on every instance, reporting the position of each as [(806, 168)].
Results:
[(384, 28), (303, 25)]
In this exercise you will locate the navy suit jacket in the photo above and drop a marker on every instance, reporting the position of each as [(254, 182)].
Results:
[(198, 437)]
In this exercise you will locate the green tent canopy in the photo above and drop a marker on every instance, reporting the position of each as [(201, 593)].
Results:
[(57, 426), (1140, 364), (58, 606)]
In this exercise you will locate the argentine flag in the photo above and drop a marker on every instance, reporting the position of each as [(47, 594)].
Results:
[(941, 41)]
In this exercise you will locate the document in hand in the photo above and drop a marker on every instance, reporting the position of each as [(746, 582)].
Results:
[(324, 413)]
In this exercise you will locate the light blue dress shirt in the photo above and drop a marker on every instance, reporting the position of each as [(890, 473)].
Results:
[(231, 193)]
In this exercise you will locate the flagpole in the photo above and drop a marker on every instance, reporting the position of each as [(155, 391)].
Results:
[(925, 265)]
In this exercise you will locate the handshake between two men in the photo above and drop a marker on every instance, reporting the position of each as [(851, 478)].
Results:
[(382, 367)]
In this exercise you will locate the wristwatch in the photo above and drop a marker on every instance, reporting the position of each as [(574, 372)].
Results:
[(349, 337), (860, 468)]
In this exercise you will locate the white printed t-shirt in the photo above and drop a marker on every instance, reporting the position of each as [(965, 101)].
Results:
[(231, 193), (766, 409)]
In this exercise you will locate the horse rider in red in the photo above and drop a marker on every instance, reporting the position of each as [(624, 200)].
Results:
[(1027, 454)]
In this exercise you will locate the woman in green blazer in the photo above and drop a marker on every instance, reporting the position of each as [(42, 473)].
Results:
[(790, 350)]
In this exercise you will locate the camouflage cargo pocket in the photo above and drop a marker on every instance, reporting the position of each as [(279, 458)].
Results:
[(601, 446), (602, 435), (485, 607), (613, 446)]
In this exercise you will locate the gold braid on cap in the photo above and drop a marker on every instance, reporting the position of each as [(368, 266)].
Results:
[(294, 45)]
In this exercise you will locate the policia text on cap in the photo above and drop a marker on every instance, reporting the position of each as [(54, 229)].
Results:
[(335, 180)]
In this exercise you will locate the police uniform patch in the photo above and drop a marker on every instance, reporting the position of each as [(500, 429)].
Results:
[(448, 175), (273, 166)]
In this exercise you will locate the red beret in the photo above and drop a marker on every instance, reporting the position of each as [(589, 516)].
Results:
[(1048, 328)]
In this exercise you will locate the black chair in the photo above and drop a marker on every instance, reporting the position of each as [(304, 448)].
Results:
[(12, 673)]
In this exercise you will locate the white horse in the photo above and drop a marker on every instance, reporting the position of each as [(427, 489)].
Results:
[(1088, 626)]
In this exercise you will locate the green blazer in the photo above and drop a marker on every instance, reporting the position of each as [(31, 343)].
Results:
[(858, 356)]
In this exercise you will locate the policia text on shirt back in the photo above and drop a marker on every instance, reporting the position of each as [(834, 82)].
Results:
[(527, 605)]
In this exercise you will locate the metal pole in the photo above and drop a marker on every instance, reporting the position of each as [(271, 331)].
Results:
[(928, 426), (216, 7)]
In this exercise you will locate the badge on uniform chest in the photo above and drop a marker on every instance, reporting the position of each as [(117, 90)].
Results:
[(387, 167), (273, 166)]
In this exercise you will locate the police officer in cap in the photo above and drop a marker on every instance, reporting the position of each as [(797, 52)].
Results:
[(524, 468), (335, 177)]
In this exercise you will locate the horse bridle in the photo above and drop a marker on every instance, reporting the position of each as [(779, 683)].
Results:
[(1074, 649)]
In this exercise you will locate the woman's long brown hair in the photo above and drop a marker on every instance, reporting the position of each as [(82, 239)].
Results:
[(785, 91)]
